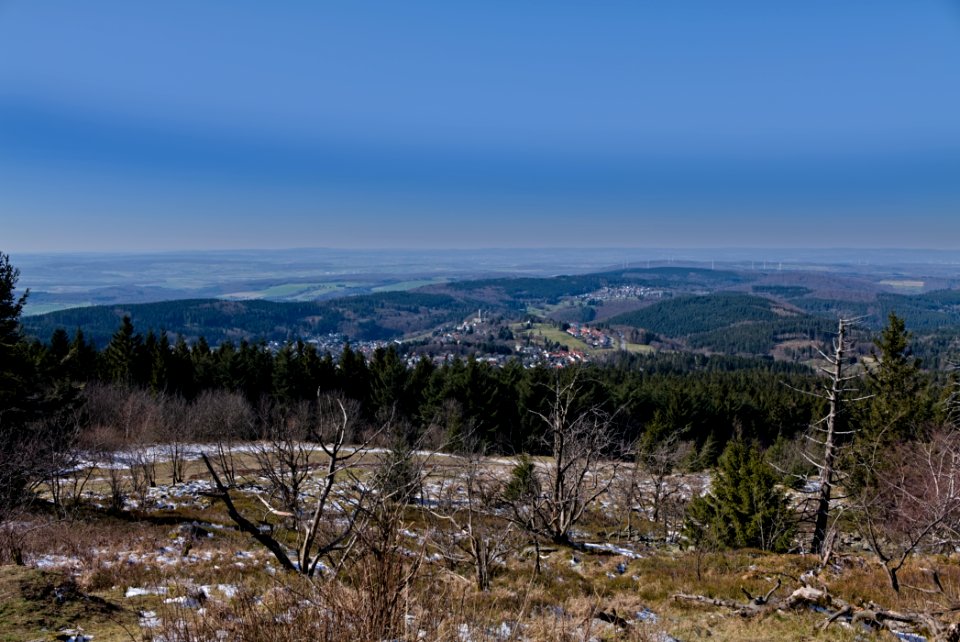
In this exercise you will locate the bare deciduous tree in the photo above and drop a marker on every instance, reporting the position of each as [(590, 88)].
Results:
[(175, 433), (469, 529), (915, 504), (323, 518), (578, 439), (222, 418), (650, 485), (64, 471)]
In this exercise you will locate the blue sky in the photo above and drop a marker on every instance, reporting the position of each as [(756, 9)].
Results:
[(186, 125)]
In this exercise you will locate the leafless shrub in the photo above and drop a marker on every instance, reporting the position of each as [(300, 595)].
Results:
[(649, 485), (224, 419), (174, 433), (468, 529), (915, 503), (131, 414), (321, 518), (559, 493), (15, 528), (61, 463)]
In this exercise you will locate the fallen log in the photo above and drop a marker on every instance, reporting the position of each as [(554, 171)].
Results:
[(932, 623)]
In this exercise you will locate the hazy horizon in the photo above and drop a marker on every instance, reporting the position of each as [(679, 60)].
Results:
[(221, 125)]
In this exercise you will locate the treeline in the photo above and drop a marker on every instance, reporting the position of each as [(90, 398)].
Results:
[(703, 398), (552, 289), (368, 317), (688, 315), (923, 313), (763, 336)]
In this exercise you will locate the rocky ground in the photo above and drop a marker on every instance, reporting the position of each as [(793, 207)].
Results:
[(172, 566)]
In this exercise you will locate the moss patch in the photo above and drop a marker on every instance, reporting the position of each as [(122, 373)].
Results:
[(37, 604)]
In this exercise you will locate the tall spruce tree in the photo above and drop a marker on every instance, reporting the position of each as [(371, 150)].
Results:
[(21, 394), (118, 361), (744, 508), (15, 367), (899, 405), (12, 346)]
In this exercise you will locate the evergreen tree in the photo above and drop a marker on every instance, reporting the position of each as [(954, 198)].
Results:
[(16, 373), (26, 398), (159, 362), (81, 361), (899, 404), (744, 507), (898, 408), (285, 375), (388, 381), (180, 370), (204, 366), (353, 375), (119, 359)]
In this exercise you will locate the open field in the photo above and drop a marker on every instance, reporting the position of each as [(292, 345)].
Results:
[(173, 563), (408, 285), (904, 284), (554, 334), (290, 291)]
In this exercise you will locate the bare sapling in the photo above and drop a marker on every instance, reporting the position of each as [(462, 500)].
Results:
[(468, 529), (321, 509), (579, 440)]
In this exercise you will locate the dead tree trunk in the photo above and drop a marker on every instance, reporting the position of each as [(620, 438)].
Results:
[(834, 396), (829, 428)]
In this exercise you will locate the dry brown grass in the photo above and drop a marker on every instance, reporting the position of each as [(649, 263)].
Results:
[(109, 554)]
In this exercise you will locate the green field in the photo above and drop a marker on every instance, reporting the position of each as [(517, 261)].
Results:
[(556, 335), (290, 291), (33, 309), (408, 285)]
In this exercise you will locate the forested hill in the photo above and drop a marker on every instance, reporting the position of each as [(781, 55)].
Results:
[(377, 316), (695, 314), (728, 322), (785, 315), (926, 312), (551, 290)]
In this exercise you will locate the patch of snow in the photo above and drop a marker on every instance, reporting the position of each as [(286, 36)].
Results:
[(55, 561), (646, 615), (228, 591), (136, 591), (148, 620), (612, 548), (185, 601)]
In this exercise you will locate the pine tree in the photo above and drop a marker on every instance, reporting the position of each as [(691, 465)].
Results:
[(118, 360), (898, 406), (13, 356), (744, 508), (24, 397), (180, 370), (388, 380), (15, 370)]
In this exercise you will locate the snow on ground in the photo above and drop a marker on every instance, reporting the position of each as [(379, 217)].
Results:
[(186, 601), (612, 548), (228, 591), (50, 561), (149, 620), (137, 591)]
